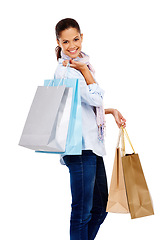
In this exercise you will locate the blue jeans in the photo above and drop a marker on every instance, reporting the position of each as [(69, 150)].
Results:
[(89, 194)]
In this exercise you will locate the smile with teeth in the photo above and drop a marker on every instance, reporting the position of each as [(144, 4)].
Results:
[(73, 51)]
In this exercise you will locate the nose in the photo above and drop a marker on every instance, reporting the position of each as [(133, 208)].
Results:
[(71, 44)]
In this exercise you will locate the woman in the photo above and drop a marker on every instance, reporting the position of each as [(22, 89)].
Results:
[(87, 172)]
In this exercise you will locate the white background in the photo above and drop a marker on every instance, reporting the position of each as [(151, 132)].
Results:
[(126, 41)]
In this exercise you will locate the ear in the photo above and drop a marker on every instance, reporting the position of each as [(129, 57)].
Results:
[(58, 43), (81, 37)]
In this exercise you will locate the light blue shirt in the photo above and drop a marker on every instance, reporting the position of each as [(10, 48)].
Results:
[(91, 96)]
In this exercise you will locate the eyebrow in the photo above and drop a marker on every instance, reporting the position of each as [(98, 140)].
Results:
[(73, 38)]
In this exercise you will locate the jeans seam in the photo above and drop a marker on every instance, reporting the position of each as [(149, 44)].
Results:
[(100, 199), (102, 207)]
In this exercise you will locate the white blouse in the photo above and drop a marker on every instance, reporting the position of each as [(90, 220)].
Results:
[(91, 96)]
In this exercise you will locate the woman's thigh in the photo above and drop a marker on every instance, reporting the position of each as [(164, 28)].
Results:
[(82, 170)]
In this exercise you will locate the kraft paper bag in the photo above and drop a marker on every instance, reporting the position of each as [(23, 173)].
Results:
[(117, 199), (128, 189), (139, 199), (47, 123)]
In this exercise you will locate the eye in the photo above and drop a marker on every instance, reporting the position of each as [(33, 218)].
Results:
[(76, 39), (65, 41)]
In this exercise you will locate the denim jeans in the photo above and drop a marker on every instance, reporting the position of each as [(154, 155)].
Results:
[(89, 194)]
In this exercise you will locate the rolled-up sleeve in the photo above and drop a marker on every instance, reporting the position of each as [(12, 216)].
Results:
[(91, 94)]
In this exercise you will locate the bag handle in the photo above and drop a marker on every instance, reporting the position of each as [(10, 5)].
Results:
[(123, 143), (121, 135), (127, 136), (118, 142), (123, 131), (64, 75)]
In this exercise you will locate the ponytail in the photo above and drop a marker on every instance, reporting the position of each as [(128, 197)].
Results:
[(58, 52)]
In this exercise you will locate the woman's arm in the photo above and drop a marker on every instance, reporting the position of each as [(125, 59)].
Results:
[(87, 75), (91, 93), (109, 111), (119, 119)]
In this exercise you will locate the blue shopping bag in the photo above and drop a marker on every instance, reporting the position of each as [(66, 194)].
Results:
[(74, 135)]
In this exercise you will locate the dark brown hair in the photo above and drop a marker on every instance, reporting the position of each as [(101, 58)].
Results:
[(62, 25)]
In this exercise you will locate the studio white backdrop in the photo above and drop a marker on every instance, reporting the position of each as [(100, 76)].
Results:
[(126, 43)]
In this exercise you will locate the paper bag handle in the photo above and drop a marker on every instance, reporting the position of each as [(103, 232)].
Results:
[(121, 135), (63, 77), (123, 131), (118, 142), (127, 136), (123, 143)]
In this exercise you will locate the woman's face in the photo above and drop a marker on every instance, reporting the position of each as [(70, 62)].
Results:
[(71, 42)]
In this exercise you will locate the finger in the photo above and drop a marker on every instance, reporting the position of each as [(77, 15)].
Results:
[(72, 61), (72, 65), (123, 124), (123, 119), (65, 62)]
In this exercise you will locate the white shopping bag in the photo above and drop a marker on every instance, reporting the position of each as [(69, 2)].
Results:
[(47, 123)]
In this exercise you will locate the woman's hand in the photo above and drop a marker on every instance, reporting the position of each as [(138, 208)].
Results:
[(83, 68), (119, 119), (75, 64)]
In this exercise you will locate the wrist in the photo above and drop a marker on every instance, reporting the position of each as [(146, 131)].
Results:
[(87, 74), (110, 111), (84, 69), (113, 111)]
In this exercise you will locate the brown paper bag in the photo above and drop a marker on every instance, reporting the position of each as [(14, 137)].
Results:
[(117, 199), (128, 189), (139, 199)]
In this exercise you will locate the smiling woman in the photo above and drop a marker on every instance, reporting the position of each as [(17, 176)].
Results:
[(70, 42), (87, 172), (69, 38)]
